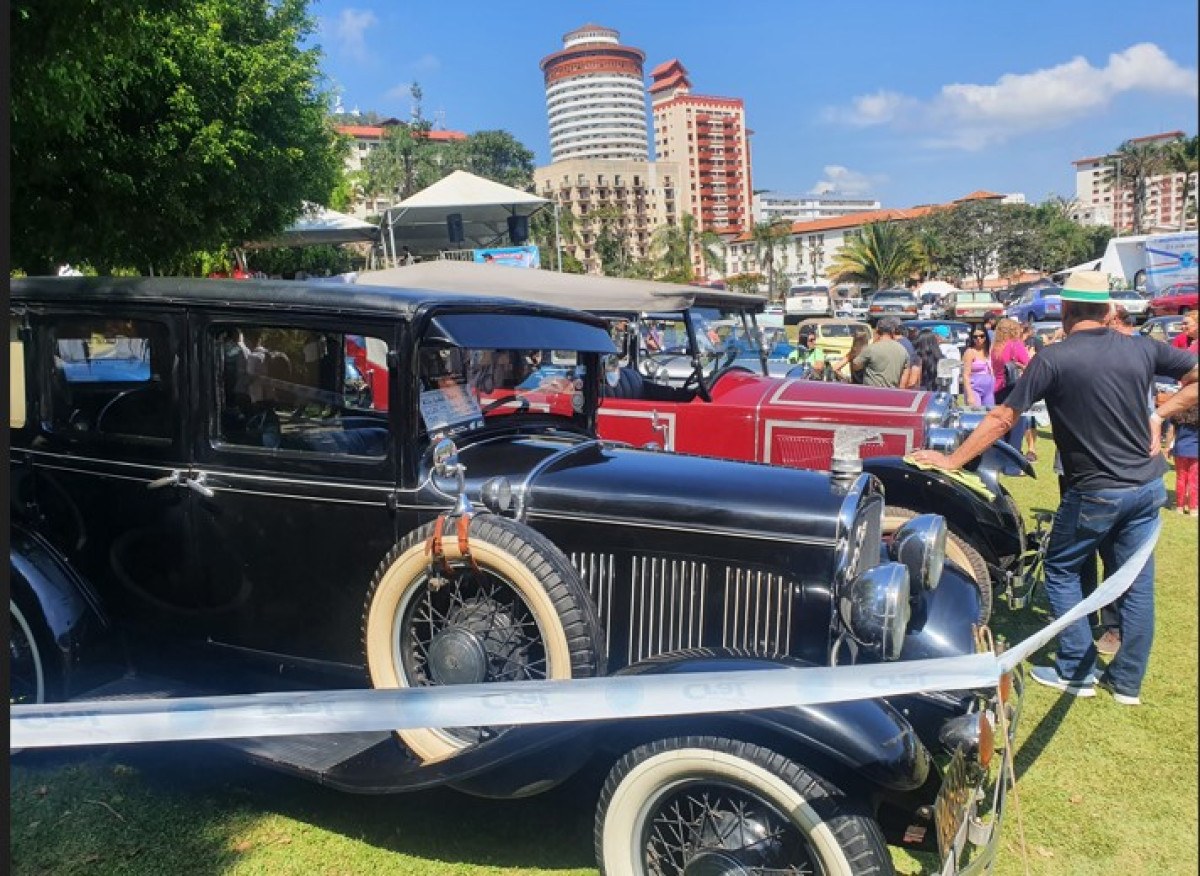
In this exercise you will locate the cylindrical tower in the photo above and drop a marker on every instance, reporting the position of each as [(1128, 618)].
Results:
[(595, 97)]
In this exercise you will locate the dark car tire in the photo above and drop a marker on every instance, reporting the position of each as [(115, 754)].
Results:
[(958, 551), (734, 786), (535, 599), (30, 677)]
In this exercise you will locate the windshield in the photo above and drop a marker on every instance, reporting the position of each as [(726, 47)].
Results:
[(461, 387), (842, 330)]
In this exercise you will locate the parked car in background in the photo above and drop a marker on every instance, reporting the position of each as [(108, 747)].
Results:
[(806, 300), (216, 530), (1047, 331), (956, 334), (932, 305), (1135, 303), (973, 306), (1175, 299), (1038, 303), (835, 336), (893, 302), (771, 315), (1162, 328), (850, 308)]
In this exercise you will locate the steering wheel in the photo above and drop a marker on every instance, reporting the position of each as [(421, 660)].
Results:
[(117, 399)]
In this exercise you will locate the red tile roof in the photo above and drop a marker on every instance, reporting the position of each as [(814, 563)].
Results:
[(666, 66), (980, 195), (669, 82)]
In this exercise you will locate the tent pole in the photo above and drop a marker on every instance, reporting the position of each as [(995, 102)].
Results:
[(392, 235), (557, 238)]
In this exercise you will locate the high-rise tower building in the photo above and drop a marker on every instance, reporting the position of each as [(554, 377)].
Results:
[(707, 137), (595, 97)]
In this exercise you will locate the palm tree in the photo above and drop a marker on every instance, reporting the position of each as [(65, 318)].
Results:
[(672, 248), (1130, 168), (769, 238), (1183, 156), (883, 254)]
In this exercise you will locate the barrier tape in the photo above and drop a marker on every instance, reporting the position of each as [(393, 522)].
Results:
[(529, 702)]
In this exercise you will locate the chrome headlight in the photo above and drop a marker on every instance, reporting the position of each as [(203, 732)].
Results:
[(969, 419), (943, 439), (874, 607), (920, 545)]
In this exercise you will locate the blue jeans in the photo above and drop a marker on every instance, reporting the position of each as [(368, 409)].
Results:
[(1114, 522)]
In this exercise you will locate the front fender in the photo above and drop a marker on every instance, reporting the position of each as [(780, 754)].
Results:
[(868, 740), (66, 614), (988, 525), (1001, 459)]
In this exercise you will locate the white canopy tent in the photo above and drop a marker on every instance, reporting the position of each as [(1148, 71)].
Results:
[(319, 225), (419, 222)]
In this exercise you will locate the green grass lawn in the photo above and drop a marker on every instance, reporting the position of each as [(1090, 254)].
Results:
[(1102, 789)]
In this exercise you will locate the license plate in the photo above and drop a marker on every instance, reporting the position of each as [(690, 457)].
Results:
[(952, 806)]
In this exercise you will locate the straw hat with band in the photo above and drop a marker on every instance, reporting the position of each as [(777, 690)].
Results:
[(1087, 286)]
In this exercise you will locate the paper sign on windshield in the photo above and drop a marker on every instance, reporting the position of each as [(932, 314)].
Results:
[(449, 406)]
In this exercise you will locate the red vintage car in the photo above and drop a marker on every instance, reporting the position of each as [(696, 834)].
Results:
[(694, 379), (1176, 298)]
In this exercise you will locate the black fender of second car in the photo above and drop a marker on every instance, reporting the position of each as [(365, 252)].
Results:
[(861, 741), (64, 614), (991, 526), (936, 628)]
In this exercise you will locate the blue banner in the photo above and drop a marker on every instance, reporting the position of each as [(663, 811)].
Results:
[(512, 256)]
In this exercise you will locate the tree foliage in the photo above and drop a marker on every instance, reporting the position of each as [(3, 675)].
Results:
[(140, 136), (1130, 169), (885, 253), (672, 247), (770, 240)]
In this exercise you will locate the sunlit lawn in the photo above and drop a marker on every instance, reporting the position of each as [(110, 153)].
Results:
[(1103, 788)]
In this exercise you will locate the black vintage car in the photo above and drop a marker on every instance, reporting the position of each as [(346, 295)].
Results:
[(207, 500)]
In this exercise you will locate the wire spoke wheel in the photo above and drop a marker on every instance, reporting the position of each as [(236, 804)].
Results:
[(707, 827), (468, 626)]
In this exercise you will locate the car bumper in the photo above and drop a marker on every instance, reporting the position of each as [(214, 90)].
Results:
[(969, 812)]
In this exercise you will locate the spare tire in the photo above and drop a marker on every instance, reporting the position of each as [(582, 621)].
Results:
[(514, 610)]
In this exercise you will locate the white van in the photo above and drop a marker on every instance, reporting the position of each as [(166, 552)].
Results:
[(1151, 262), (804, 301)]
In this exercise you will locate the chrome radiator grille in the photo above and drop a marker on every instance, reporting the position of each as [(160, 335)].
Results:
[(758, 612), (661, 605), (666, 610)]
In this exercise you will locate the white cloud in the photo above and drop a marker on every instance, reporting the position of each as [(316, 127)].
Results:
[(427, 63), (402, 91), (348, 32), (972, 116), (845, 181)]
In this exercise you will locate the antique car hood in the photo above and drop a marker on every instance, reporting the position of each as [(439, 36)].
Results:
[(571, 477), (817, 400)]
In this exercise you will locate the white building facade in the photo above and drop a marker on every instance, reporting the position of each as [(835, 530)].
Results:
[(779, 207), (596, 97)]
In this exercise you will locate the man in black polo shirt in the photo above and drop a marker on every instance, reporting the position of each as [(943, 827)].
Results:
[(1095, 383)]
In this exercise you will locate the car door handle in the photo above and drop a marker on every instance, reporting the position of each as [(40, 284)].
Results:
[(174, 479), (199, 484)]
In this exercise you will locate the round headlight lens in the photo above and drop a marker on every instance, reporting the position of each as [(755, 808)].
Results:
[(920, 544), (874, 607)]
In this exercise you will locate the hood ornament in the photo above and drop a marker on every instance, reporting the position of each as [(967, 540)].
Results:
[(847, 454)]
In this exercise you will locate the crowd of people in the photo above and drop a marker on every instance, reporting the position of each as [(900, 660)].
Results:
[(1098, 381)]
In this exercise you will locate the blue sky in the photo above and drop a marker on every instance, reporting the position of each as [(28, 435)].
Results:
[(908, 102)]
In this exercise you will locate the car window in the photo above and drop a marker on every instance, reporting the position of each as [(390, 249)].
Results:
[(111, 379), (16, 376), (297, 390)]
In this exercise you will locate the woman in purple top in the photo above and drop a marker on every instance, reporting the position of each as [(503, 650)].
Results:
[(979, 384)]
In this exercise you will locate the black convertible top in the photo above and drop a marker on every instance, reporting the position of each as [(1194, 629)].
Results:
[(271, 294)]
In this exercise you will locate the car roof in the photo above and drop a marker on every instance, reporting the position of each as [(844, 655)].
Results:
[(269, 294), (580, 291)]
